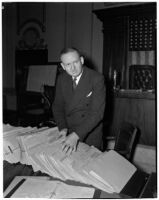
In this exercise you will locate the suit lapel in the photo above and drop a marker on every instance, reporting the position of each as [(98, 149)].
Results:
[(68, 89)]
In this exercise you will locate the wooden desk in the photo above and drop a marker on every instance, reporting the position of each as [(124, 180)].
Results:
[(131, 190), (138, 108)]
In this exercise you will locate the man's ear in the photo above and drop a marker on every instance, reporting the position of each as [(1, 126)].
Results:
[(63, 66), (82, 59)]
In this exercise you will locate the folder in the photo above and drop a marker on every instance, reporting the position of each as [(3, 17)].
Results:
[(111, 169)]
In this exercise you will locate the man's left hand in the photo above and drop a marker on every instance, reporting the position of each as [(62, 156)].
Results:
[(70, 143)]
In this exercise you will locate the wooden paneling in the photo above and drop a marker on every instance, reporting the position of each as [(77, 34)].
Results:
[(8, 44), (150, 121), (138, 111), (55, 29), (79, 26), (115, 48)]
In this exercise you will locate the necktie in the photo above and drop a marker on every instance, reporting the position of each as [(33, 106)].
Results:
[(74, 83)]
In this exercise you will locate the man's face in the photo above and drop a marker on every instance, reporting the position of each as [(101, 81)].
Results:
[(72, 63)]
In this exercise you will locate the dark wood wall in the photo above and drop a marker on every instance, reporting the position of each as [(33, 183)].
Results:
[(124, 46)]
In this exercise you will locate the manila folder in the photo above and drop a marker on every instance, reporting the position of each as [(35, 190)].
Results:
[(112, 169)]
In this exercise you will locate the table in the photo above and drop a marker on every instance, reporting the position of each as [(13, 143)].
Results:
[(133, 188)]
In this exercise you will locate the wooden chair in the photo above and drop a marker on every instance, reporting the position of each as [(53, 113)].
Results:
[(142, 77), (39, 95), (40, 115), (125, 140)]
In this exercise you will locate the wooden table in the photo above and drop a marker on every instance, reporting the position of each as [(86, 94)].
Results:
[(133, 189)]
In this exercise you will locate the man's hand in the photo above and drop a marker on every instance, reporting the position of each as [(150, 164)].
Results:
[(70, 143)]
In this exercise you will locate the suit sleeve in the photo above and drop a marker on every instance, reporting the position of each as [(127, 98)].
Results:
[(58, 106), (97, 107)]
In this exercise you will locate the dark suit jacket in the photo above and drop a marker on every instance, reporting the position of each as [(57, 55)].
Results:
[(81, 110)]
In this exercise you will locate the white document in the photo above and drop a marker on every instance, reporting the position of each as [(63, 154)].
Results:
[(65, 191), (17, 179), (40, 75), (112, 169), (35, 188), (43, 188)]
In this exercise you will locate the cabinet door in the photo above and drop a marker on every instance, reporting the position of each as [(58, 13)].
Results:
[(139, 112)]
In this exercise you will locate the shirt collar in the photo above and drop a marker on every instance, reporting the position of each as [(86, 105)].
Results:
[(78, 77)]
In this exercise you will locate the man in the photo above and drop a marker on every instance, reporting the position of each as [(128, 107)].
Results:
[(79, 102)]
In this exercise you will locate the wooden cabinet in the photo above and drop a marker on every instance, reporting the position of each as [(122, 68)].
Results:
[(138, 109), (129, 34)]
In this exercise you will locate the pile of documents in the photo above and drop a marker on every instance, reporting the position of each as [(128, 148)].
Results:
[(12, 151), (42, 148), (11, 148), (43, 151)]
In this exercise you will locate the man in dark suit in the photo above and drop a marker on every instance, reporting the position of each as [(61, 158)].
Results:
[(79, 102)]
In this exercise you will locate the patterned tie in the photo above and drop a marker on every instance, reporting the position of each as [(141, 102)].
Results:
[(74, 84)]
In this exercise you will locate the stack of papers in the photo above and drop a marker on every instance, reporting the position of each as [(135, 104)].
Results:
[(34, 139), (11, 147), (43, 187), (42, 148), (44, 152)]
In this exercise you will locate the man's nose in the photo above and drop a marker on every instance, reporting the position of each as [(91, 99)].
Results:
[(72, 66)]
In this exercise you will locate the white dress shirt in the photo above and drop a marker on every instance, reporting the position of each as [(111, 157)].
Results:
[(77, 78)]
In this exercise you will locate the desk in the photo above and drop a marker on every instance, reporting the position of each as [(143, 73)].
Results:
[(131, 190), (138, 108)]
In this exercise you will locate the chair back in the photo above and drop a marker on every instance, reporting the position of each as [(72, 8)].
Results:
[(39, 93), (48, 94), (142, 77), (125, 140)]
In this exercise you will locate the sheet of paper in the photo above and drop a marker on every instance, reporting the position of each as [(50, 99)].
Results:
[(41, 75), (42, 188), (17, 179), (111, 169), (35, 188), (65, 191)]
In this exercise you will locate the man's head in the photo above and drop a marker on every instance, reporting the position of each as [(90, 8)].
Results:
[(72, 62)]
